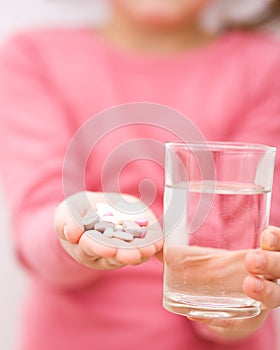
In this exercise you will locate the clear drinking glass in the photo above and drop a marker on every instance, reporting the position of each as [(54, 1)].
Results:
[(216, 204)]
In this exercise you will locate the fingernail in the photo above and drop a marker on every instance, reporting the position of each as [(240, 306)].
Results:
[(272, 239), (259, 260), (65, 232), (269, 240), (258, 285)]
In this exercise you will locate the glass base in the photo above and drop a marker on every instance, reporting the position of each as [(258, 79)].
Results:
[(211, 307)]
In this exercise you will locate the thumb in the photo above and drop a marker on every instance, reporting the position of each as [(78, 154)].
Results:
[(159, 255), (68, 224)]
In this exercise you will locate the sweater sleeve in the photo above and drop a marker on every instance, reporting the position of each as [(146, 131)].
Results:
[(34, 135)]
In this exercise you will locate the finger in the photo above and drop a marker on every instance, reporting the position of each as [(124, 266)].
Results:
[(107, 247), (267, 292), (260, 262), (159, 255), (68, 216), (148, 251), (92, 245), (129, 256), (89, 258), (146, 248), (68, 224), (159, 245), (270, 239)]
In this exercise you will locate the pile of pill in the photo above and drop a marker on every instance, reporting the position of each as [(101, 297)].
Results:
[(104, 219)]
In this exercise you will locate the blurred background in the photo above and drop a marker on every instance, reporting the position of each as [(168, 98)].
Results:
[(14, 15), (17, 14)]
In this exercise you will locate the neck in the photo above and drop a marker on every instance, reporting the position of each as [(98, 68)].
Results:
[(130, 36)]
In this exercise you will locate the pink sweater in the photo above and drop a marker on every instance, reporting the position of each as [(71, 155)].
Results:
[(51, 82)]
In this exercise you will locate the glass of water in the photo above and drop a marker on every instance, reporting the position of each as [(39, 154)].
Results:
[(216, 204)]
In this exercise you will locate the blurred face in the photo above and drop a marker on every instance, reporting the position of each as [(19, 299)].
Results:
[(159, 12)]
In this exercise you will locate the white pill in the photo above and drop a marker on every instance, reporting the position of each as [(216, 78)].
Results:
[(133, 228), (125, 236), (129, 224), (119, 217), (118, 227), (140, 233), (109, 232), (89, 222), (101, 226), (113, 219), (92, 233)]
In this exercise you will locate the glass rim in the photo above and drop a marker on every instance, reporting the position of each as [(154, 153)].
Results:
[(220, 146)]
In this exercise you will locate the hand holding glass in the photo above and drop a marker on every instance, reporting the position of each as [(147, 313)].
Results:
[(216, 204)]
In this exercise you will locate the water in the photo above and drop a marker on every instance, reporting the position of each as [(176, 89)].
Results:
[(205, 247)]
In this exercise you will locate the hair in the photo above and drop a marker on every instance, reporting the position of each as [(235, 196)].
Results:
[(271, 14)]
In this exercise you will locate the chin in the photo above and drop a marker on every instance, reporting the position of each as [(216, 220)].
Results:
[(157, 20), (159, 13)]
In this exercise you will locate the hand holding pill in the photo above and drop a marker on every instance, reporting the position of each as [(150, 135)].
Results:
[(97, 235)]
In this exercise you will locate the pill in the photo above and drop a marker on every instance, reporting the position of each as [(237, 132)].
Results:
[(123, 235), (113, 223), (89, 222), (120, 218), (143, 234), (128, 224), (113, 219), (140, 233), (133, 228), (109, 232), (102, 226), (142, 221), (92, 233), (108, 213)]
